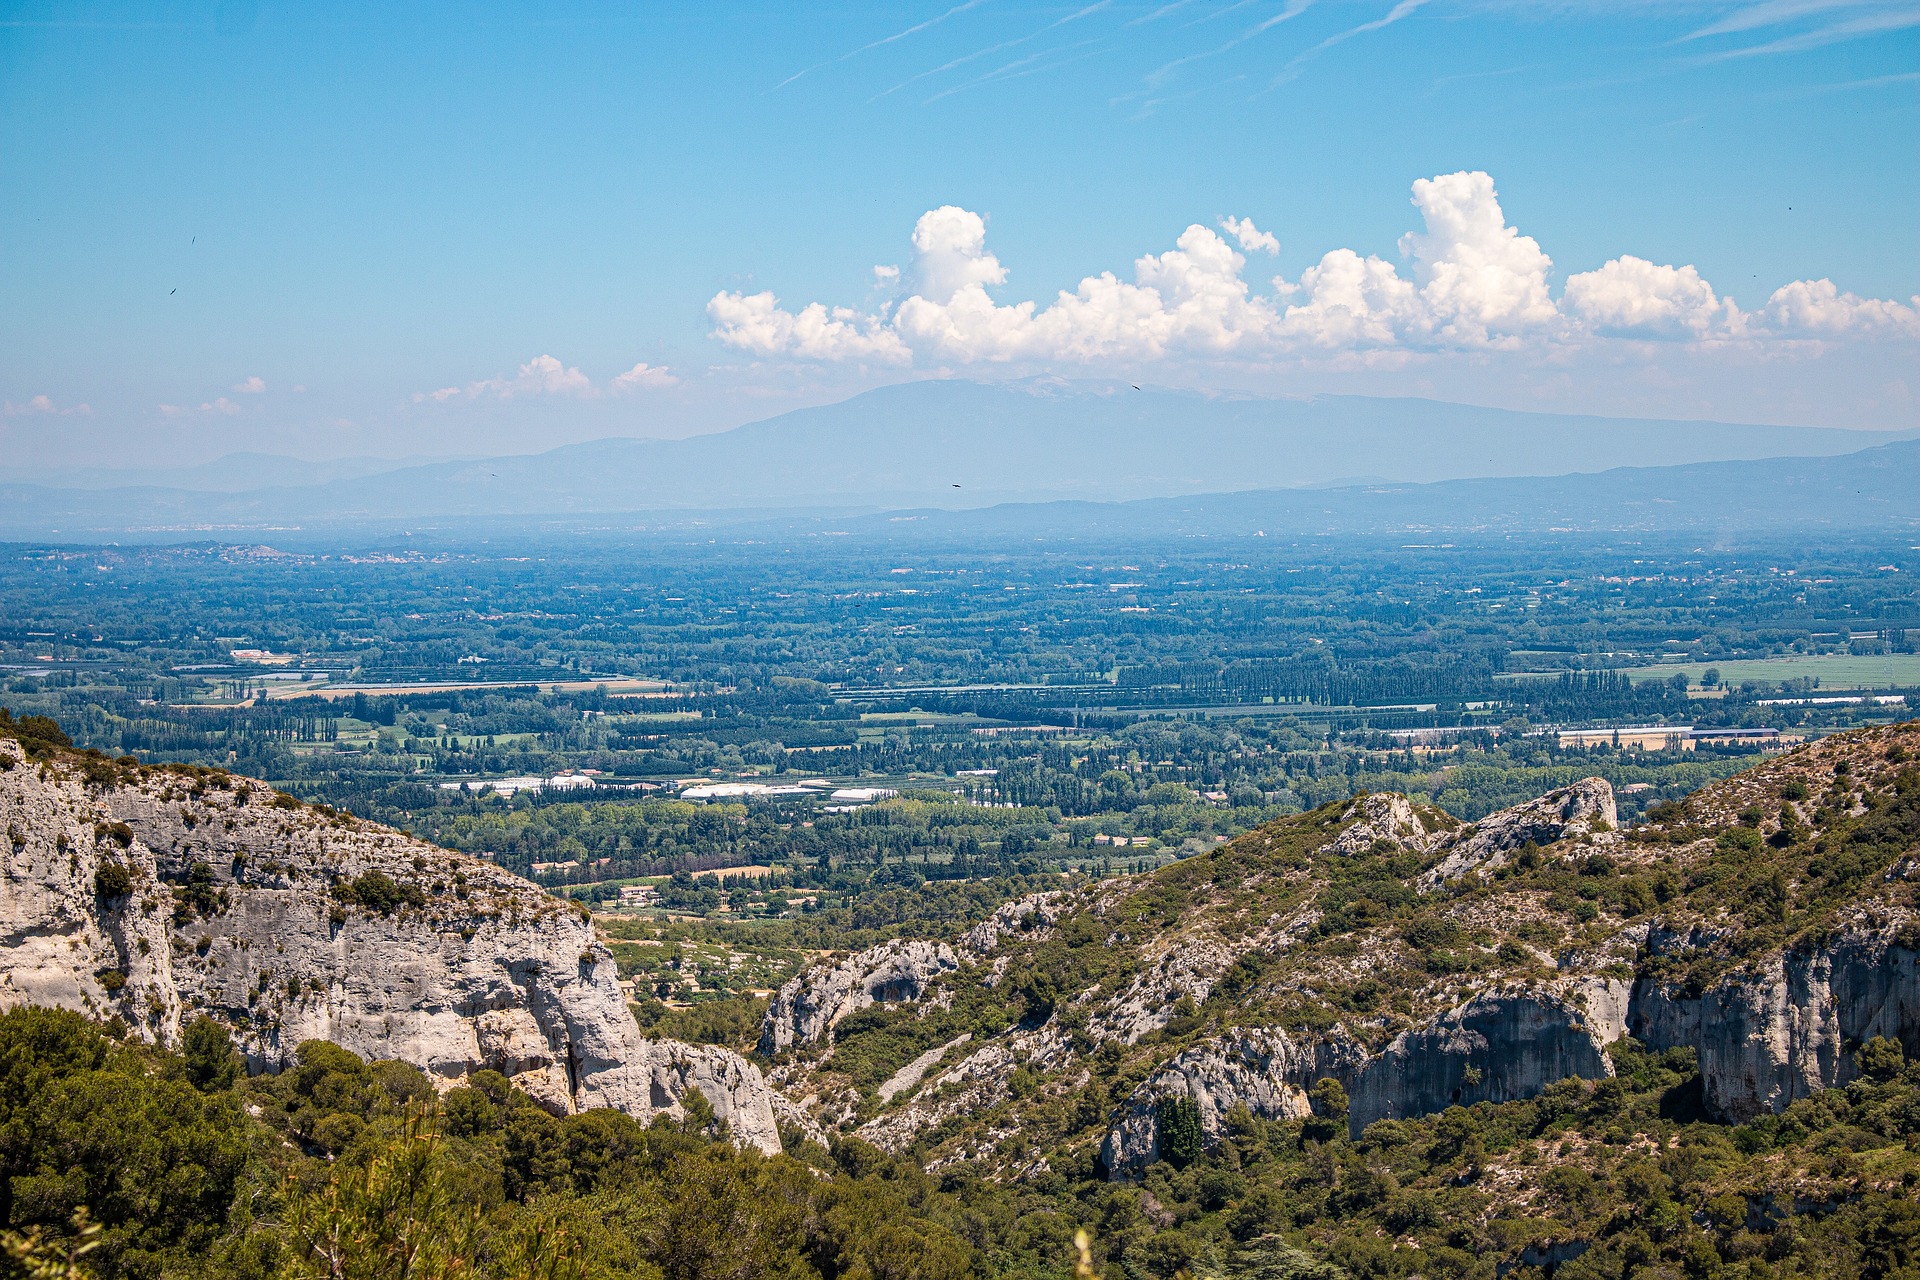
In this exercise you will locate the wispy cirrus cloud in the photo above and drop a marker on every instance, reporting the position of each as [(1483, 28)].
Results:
[(1292, 9), (1822, 22), (1401, 11), (871, 45)]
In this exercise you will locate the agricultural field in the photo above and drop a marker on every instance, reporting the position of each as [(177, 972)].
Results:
[(1835, 672)]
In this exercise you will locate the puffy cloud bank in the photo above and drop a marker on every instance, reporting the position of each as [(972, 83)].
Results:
[(1471, 283)]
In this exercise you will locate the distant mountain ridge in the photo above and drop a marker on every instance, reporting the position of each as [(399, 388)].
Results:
[(1876, 488), (954, 444)]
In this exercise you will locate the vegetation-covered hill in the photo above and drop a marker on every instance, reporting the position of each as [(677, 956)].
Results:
[(1365, 1041)]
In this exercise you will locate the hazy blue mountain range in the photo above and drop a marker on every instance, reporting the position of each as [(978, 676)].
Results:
[(1874, 489), (951, 444)]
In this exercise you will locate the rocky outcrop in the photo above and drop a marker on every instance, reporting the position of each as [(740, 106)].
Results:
[(1584, 808), (1022, 917), (289, 923), (911, 1074), (1498, 993), (1380, 816), (1148, 1003), (1788, 1028), (1764, 1038), (1497, 1047), (808, 1006), (1262, 1070), (975, 1083)]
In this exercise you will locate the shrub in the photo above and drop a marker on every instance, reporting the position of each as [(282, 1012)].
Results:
[(37, 733), (112, 879), (378, 892)]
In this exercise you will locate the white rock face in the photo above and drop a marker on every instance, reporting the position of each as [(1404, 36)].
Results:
[(1787, 1028), (1581, 809), (976, 1082), (908, 1076), (809, 1005), (1381, 815), (1262, 1069), (1024, 917), (1147, 1003), (1497, 1047), (483, 970)]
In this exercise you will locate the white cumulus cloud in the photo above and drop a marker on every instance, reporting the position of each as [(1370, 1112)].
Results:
[(252, 386), (546, 375), (754, 323), (1631, 297), (219, 404), (1251, 238), (643, 376), (1817, 308), (1348, 301), (37, 405), (1470, 281), (542, 375), (1481, 281), (950, 253)]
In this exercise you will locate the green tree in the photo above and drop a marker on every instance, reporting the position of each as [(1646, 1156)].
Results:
[(1178, 1118), (396, 1217), (212, 1064)]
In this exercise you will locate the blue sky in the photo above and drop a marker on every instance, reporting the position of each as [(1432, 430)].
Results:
[(341, 229)]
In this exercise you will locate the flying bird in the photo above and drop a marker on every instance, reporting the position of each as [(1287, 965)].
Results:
[(956, 486), (1131, 385), (171, 292)]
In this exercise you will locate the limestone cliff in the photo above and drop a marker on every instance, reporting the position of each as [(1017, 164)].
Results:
[(1787, 1027), (155, 895), (807, 1006)]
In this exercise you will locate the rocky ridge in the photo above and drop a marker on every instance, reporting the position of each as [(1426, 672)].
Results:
[(1770, 925), (155, 895)]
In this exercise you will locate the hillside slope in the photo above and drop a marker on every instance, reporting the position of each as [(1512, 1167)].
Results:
[(155, 894), (1768, 926)]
